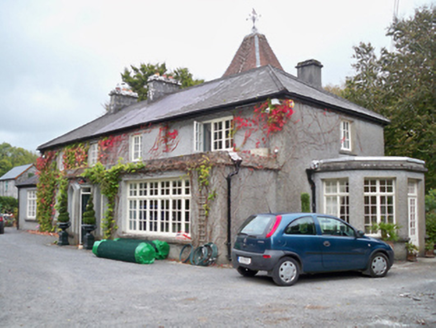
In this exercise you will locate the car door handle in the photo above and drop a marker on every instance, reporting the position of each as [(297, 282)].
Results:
[(327, 243)]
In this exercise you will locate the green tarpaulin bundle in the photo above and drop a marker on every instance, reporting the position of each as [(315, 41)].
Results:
[(162, 248), (140, 252)]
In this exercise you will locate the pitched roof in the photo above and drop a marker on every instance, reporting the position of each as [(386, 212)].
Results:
[(15, 172), (253, 52), (31, 182), (224, 93)]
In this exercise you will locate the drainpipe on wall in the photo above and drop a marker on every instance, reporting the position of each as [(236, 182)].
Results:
[(309, 173), (237, 161)]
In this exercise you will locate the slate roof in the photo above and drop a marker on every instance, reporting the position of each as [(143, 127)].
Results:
[(16, 172), (253, 52), (224, 93), (31, 182)]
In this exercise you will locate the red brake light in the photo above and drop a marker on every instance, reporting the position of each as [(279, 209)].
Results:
[(275, 226)]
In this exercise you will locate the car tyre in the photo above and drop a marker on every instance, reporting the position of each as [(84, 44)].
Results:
[(378, 265), (246, 272), (286, 272)]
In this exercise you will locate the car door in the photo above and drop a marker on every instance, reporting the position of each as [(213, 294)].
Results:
[(300, 237), (341, 250)]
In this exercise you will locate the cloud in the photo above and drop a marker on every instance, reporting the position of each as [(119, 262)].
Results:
[(61, 58)]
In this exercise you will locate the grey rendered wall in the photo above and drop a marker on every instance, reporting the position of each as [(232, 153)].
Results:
[(314, 134)]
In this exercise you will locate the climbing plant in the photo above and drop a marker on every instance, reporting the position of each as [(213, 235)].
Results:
[(75, 155), (62, 205), (268, 117), (108, 179), (46, 190), (203, 170)]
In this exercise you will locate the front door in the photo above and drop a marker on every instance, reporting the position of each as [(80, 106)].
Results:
[(85, 194), (413, 212)]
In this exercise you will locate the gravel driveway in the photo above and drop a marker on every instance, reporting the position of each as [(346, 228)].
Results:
[(44, 285)]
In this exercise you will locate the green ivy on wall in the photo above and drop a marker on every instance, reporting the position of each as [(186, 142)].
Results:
[(109, 179), (46, 190)]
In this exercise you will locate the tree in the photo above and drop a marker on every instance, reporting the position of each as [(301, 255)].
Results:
[(401, 85), (137, 77), (8, 204), (12, 156)]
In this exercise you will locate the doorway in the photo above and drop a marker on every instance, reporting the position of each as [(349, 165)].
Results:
[(412, 196), (85, 194)]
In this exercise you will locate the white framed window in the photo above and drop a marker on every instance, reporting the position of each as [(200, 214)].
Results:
[(379, 202), (136, 147), (60, 161), (93, 154), (412, 196), (31, 204), (336, 198), (213, 135), (346, 135), (159, 207)]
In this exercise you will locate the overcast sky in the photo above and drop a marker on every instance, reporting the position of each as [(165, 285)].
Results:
[(59, 59)]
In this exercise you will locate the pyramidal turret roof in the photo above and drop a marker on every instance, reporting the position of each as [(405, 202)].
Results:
[(253, 52)]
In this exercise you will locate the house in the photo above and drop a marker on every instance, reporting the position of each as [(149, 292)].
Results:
[(14, 176), (251, 141), (27, 204)]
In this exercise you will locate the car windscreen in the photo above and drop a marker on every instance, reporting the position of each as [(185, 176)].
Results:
[(256, 224)]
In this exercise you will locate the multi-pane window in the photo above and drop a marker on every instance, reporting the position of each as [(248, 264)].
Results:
[(412, 196), (159, 206), (93, 154), (60, 161), (336, 198), (379, 202), (31, 204), (346, 135), (136, 147), (213, 135)]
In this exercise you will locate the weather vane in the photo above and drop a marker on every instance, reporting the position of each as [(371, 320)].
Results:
[(254, 17)]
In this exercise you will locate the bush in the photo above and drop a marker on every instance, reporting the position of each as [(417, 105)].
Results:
[(8, 204), (62, 205), (89, 214), (305, 202), (430, 215)]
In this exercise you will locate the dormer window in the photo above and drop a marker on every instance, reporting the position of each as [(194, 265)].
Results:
[(136, 147), (213, 135), (346, 135)]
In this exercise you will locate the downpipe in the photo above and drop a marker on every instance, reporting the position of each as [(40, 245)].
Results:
[(309, 173), (229, 207)]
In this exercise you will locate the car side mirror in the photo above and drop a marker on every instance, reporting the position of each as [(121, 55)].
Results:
[(360, 234)]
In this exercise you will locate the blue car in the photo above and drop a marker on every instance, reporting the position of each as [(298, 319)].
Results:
[(287, 245)]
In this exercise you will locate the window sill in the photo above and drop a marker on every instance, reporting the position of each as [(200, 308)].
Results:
[(347, 152), (152, 236)]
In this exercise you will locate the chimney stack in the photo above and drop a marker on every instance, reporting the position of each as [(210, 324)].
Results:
[(159, 86), (122, 96), (310, 71)]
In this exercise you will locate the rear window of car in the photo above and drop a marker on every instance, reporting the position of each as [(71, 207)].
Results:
[(256, 224)]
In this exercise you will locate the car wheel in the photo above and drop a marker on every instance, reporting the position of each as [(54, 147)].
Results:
[(286, 272), (247, 272), (378, 267)]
